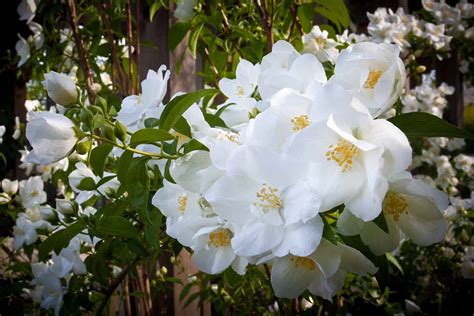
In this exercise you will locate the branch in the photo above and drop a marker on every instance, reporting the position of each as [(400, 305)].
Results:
[(80, 49), (137, 46), (130, 41), (267, 23), (113, 286)]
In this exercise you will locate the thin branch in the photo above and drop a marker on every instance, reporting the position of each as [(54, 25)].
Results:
[(113, 49), (137, 47), (212, 66), (296, 19), (130, 42), (73, 20), (113, 286), (266, 23)]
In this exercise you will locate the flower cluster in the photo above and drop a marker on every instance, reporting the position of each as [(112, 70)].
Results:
[(387, 26), (301, 148)]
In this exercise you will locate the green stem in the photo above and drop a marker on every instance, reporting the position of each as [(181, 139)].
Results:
[(133, 150)]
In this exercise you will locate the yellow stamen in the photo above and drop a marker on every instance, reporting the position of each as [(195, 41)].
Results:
[(320, 41), (394, 204), (300, 122), (343, 153), (220, 238), (182, 201), (302, 262), (372, 79), (239, 91), (268, 198)]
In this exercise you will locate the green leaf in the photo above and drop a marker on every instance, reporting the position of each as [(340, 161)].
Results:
[(328, 231), (59, 240), (178, 105), (123, 166), (151, 122), (153, 9), (420, 124), (305, 14), (177, 33), (87, 184), (138, 187), (193, 145), (193, 39), (391, 259), (117, 226), (214, 120), (381, 222), (149, 136), (98, 157), (182, 127)]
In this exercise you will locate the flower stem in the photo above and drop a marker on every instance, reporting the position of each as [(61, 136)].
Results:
[(133, 150)]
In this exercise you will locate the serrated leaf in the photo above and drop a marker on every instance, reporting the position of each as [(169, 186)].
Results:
[(178, 105), (98, 158), (117, 226), (421, 124), (149, 136)]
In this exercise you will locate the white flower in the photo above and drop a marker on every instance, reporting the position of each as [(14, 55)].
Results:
[(61, 88), (184, 11), (65, 207), (17, 131), (317, 42), (135, 109), (352, 154), (263, 193), (284, 67), (2, 132), (372, 72), (240, 89), (411, 206), (51, 136), (467, 269), (23, 50), (52, 291), (32, 105), (68, 260), (26, 10), (38, 37), (31, 192), (36, 217), (10, 187), (323, 272), (24, 232)]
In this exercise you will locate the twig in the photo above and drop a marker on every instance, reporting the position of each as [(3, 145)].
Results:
[(130, 41), (296, 19), (113, 286), (80, 49), (266, 23), (137, 48), (115, 60), (213, 66)]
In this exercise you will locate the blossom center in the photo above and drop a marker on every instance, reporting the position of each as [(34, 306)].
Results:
[(302, 262), (34, 193), (320, 41), (220, 238), (395, 205), (343, 153), (372, 79), (182, 201), (239, 91), (233, 137), (300, 122), (268, 199)]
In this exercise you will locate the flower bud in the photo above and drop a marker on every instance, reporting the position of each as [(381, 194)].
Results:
[(420, 69), (9, 187), (120, 131), (51, 135), (108, 132), (65, 207), (83, 146), (61, 88)]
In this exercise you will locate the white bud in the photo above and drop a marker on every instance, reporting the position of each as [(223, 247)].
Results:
[(10, 187), (61, 88)]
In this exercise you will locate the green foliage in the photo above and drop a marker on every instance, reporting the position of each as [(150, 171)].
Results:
[(420, 124)]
